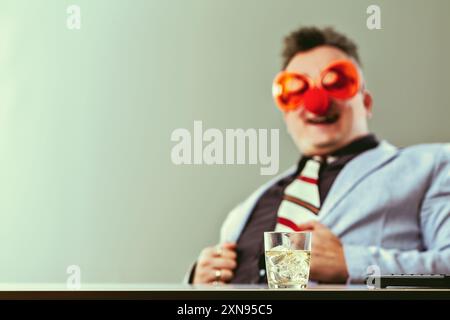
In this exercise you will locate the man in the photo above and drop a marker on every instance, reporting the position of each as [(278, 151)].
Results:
[(366, 202)]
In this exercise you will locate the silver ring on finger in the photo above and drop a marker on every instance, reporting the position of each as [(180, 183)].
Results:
[(218, 275)]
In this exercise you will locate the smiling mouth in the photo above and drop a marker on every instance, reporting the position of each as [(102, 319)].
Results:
[(328, 119)]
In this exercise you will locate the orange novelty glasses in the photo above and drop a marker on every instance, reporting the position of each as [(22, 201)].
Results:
[(339, 80)]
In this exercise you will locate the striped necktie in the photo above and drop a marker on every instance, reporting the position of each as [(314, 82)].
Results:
[(301, 200)]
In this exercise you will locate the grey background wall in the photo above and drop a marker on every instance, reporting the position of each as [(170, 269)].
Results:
[(86, 117)]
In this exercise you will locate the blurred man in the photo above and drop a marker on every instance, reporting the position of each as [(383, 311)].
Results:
[(366, 201)]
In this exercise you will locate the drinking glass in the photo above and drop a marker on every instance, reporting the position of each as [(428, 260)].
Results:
[(288, 256)]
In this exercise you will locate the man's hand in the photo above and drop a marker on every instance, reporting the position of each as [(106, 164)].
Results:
[(215, 264), (327, 254)]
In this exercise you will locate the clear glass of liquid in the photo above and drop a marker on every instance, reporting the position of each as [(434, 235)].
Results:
[(288, 256)]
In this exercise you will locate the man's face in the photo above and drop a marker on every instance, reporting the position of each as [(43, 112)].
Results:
[(348, 117)]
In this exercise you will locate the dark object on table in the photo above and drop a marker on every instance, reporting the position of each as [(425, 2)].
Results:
[(426, 281)]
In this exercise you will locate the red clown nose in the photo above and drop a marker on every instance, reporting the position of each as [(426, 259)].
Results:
[(316, 101)]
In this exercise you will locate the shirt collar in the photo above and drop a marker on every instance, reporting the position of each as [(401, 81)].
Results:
[(357, 146), (349, 151)]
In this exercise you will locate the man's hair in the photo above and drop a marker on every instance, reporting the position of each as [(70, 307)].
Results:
[(307, 38)]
